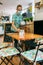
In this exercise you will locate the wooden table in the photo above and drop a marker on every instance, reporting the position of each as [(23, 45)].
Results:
[(5, 22), (27, 36)]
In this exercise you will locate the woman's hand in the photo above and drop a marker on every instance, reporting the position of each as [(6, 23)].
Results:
[(18, 30)]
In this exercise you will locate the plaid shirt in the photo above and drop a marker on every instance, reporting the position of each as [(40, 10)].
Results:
[(17, 19)]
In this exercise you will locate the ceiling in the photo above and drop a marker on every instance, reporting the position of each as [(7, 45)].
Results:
[(10, 5)]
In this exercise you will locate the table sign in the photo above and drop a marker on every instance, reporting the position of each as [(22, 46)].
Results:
[(21, 34)]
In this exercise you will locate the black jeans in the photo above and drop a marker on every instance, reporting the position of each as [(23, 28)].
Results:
[(15, 43)]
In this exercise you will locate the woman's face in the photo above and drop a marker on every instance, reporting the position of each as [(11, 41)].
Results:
[(19, 9)]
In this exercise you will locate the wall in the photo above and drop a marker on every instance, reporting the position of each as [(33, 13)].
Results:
[(9, 7), (38, 12)]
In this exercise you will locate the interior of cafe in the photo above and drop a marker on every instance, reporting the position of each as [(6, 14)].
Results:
[(21, 32)]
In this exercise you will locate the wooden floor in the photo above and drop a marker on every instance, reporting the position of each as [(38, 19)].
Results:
[(16, 59)]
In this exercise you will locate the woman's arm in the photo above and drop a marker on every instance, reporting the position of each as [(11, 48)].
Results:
[(14, 27)]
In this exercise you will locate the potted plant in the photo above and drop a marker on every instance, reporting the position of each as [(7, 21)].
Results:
[(31, 19), (26, 20)]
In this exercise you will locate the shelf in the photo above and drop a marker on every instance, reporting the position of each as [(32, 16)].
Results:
[(39, 6)]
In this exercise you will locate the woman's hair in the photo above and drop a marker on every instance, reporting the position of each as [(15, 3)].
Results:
[(19, 6)]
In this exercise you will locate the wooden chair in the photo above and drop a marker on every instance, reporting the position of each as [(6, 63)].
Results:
[(41, 62)]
